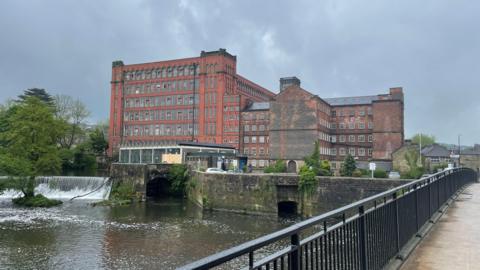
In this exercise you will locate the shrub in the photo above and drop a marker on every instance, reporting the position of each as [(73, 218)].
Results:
[(278, 167), (379, 173), (415, 173), (36, 201), (122, 191), (357, 173)]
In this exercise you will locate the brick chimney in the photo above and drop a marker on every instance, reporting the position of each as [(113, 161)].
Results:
[(396, 93), (288, 81)]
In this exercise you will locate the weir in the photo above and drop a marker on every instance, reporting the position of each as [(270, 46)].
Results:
[(68, 187)]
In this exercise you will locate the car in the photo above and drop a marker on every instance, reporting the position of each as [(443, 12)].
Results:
[(215, 170), (394, 175), (235, 171)]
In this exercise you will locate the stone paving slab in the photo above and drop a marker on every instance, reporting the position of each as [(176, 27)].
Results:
[(454, 242)]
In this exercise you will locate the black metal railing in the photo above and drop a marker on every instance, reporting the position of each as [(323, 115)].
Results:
[(363, 235)]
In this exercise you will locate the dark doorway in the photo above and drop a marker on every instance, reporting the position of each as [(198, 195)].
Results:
[(292, 167), (158, 187), (287, 208)]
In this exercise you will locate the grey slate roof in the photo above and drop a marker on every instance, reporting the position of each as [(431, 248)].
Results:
[(435, 150), (362, 100), (257, 106)]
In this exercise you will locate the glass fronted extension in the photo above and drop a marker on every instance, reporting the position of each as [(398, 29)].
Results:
[(181, 153)]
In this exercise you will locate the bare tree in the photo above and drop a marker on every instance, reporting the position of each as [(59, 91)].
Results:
[(73, 113)]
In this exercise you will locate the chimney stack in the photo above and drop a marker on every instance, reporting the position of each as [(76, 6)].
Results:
[(288, 81)]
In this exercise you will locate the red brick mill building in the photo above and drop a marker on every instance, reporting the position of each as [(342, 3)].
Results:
[(203, 99)]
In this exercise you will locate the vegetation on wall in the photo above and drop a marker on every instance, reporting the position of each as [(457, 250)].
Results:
[(178, 178), (307, 181)]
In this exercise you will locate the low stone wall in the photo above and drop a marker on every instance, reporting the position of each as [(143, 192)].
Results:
[(261, 193), (137, 175)]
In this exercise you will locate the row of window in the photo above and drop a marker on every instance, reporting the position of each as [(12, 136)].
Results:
[(210, 112), (231, 108), (159, 130), (149, 143), (351, 112), (211, 98), (351, 125), (253, 139), (231, 140), (232, 99), (352, 138), (159, 115), (231, 116), (361, 152), (259, 163), (160, 101), (255, 116), (159, 87), (210, 82), (254, 128), (163, 72), (230, 128), (252, 151), (210, 129)]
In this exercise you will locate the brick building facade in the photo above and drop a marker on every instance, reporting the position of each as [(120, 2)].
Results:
[(192, 99), (203, 99), (369, 128)]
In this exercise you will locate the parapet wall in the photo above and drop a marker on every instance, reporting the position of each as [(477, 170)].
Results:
[(261, 193)]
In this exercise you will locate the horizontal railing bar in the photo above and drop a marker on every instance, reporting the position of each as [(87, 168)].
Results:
[(274, 256), (265, 240)]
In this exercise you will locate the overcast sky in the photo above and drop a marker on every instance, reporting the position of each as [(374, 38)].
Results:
[(337, 48)]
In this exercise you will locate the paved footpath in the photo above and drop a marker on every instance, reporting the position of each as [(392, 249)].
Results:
[(454, 242)]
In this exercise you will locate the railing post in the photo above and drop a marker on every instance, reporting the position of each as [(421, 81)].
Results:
[(396, 220), (362, 238), (416, 206), (429, 185), (295, 261)]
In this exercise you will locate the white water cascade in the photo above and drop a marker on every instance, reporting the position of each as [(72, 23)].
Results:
[(68, 187)]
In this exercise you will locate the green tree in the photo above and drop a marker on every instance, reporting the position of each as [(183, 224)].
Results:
[(319, 167), (39, 93), (426, 139), (30, 144), (348, 166), (98, 142)]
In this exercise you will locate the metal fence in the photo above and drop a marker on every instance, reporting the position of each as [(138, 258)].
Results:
[(366, 235)]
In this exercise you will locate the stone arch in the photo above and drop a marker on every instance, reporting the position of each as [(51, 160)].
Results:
[(287, 208), (157, 184), (292, 166)]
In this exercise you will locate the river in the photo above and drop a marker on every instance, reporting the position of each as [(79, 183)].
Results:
[(161, 234)]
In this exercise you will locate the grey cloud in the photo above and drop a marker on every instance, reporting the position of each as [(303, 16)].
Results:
[(337, 48)]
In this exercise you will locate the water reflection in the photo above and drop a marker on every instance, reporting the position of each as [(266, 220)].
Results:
[(157, 235)]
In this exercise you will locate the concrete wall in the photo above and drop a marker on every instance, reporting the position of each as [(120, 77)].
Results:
[(260, 193)]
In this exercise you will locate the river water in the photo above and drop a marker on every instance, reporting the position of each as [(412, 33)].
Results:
[(161, 234)]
